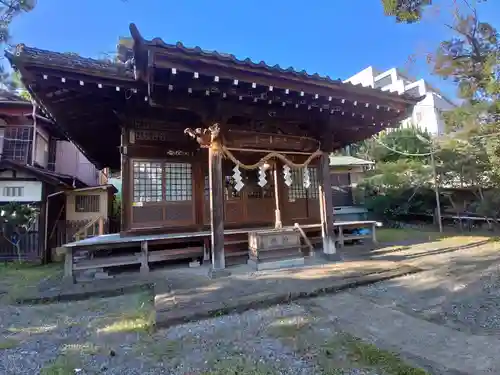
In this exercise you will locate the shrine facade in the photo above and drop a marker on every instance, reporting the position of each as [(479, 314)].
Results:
[(207, 143)]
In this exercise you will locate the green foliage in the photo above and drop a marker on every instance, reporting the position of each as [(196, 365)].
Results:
[(9, 9), (470, 155), (405, 11), (117, 206)]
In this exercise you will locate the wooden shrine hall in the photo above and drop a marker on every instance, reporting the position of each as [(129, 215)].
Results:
[(219, 157)]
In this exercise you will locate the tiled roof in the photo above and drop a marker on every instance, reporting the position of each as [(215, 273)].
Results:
[(232, 59), (69, 60)]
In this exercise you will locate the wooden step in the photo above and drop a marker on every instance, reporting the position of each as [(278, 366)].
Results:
[(186, 253), (101, 262)]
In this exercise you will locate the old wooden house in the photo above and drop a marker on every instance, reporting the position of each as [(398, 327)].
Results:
[(211, 148)]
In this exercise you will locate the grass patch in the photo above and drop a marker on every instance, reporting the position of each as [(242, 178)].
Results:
[(407, 234), (64, 364), (20, 280), (369, 355), (288, 327), (8, 343), (140, 317)]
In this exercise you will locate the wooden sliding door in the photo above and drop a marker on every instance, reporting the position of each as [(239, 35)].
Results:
[(162, 193), (252, 204), (301, 204)]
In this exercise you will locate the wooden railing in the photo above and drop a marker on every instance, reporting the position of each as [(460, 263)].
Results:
[(93, 228), (70, 230)]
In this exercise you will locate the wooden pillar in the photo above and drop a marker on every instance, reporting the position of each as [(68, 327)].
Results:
[(216, 210), (278, 223), (144, 257), (326, 208), (209, 138), (126, 198), (69, 276)]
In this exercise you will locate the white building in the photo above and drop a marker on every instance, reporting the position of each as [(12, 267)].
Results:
[(427, 113)]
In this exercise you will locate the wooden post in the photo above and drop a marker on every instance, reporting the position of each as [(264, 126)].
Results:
[(126, 200), (144, 257), (68, 266), (216, 211), (326, 208), (278, 224), (209, 138), (101, 226)]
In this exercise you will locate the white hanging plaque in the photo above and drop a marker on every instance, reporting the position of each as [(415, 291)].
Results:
[(287, 175), (307, 178), (237, 178), (262, 176)]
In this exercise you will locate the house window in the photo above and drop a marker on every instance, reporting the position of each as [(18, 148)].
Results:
[(42, 151), (13, 191), (157, 181), (17, 143), (87, 203)]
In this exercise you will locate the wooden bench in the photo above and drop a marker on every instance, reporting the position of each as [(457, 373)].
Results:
[(342, 237)]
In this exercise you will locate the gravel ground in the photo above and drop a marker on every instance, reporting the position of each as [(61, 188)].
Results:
[(466, 300), (111, 336)]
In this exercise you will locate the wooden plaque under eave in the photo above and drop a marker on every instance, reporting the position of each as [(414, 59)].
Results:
[(273, 245)]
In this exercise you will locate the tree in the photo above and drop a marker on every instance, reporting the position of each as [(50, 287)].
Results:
[(9, 9), (17, 220), (410, 11), (406, 11)]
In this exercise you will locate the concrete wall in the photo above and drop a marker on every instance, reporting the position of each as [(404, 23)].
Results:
[(31, 191)]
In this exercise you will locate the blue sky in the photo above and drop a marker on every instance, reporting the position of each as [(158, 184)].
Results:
[(330, 37)]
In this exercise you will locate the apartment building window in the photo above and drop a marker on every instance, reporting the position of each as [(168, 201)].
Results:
[(87, 203), (17, 143), (418, 116), (2, 133), (13, 191)]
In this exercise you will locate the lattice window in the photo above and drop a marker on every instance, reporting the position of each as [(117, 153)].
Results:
[(87, 203), (313, 191), (157, 181), (147, 181), (178, 182), (254, 190), (297, 189), (17, 143)]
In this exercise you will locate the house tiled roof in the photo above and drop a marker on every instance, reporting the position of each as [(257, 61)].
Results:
[(344, 161), (71, 61)]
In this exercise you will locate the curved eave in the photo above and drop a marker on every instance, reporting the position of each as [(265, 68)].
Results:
[(141, 44)]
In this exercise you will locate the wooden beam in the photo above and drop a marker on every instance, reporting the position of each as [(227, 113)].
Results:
[(269, 77)]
